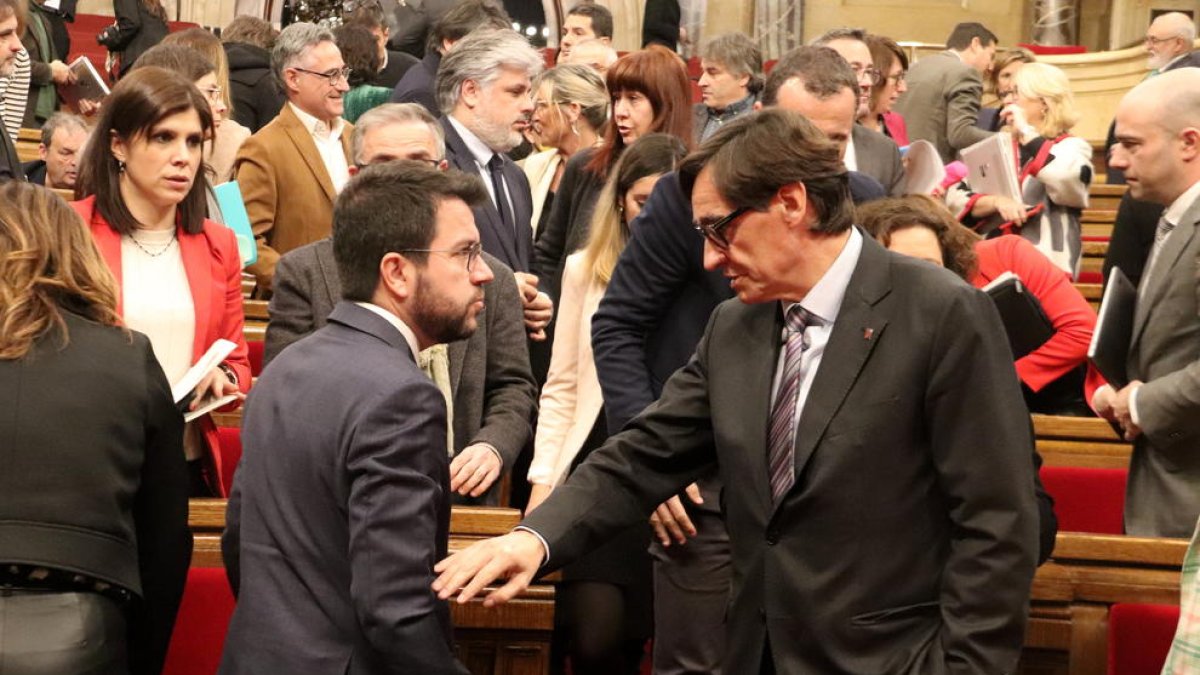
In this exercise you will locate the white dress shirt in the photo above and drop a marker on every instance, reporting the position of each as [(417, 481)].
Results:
[(328, 139), (409, 336), (482, 154)]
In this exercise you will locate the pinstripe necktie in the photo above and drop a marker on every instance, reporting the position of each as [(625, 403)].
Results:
[(781, 441), (1161, 232)]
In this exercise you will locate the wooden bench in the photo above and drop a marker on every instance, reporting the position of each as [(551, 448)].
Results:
[(27, 144), (1080, 441), (1105, 197), (512, 639)]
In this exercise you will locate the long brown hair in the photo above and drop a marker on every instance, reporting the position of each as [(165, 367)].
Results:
[(657, 73), (48, 263), (141, 99)]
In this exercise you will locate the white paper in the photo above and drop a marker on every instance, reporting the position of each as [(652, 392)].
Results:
[(992, 167), (1008, 274), (208, 405), (923, 168), (213, 357)]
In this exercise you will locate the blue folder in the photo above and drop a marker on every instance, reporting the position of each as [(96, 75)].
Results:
[(233, 210)]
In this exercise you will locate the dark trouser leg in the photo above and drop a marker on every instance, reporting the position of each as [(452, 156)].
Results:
[(598, 641), (63, 633)]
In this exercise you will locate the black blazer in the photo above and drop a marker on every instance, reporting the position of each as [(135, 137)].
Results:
[(1132, 237), (256, 95), (398, 64), (330, 545), (10, 161), (512, 248), (908, 542), (417, 84), (136, 30), (94, 478)]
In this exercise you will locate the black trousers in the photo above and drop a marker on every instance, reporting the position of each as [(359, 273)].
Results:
[(44, 632)]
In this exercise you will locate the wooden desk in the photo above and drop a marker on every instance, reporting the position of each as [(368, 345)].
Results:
[(1080, 441), (512, 639)]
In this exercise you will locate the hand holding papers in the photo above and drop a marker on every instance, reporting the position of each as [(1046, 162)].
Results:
[(87, 88), (188, 385), (992, 167), (923, 168)]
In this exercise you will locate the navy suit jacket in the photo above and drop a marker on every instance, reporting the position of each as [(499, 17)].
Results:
[(416, 86), (340, 509), (514, 249)]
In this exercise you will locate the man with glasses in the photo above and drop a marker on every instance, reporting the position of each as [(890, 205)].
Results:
[(341, 502), (942, 102), (292, 169), (486, 378), (878, 522)]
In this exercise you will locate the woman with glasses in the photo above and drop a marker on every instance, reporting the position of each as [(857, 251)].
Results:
[(999, 83), (892, 63), (570, 109), (602, 608), (92, 495), (650, 92), (179, 278), (1054, 170)]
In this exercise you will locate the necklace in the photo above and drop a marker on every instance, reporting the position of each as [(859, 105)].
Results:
[(153, 254)]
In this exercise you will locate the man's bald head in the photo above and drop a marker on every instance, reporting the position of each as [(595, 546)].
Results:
[(1158, 136), (1172, 99)]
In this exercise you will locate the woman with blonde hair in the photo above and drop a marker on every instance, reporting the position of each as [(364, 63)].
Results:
[(93, 495), (1054, 170), (602, 616)]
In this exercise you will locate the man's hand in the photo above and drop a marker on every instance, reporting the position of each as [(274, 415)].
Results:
[(473, 470), (538, 307), (515, 556), (60, 73), (670, 520), (1102, 402), (1122, 412)]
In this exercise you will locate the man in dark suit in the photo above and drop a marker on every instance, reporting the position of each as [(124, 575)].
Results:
[(393, 64), (878, 523), (63, 138), (492, 391), (10, 46), (730, 80), (483, 87), (341, 503), (1158, 133)]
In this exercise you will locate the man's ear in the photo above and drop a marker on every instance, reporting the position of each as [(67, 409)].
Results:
[(975, 45), (397, 275), (470, 93), (1190, 143), (794, 200), (757, 106), (43, 151)]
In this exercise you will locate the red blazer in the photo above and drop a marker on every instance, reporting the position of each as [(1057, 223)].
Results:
[(214, 273), (1072, 316)]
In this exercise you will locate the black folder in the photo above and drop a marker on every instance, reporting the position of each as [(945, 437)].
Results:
[(1025, 321), (1109, 350)]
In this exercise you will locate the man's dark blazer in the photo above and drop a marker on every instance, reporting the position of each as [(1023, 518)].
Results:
[(10, 161), (908, 542), (256, 95), (35, 171), (1132, 237), (493, 388), (398, 64), (514, 249), (417, 85), (340, 509), (1116, 176), (879, 158)]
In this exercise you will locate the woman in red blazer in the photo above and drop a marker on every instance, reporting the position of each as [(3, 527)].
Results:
[(1053, 374), (179, 274)]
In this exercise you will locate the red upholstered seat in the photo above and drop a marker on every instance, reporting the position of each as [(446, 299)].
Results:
[(256, 356), (230, 440), (1139, 637), (1048, 50), (1085, 277), (1087, 500), (204, 614)]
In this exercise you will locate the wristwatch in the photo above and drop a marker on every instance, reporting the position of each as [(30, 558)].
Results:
[(229, 372)]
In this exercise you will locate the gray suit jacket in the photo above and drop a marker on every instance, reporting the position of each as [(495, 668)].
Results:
[(494, 392), (879, 158), (908, 541), (1164, 474), (339, 511), (942, 104)]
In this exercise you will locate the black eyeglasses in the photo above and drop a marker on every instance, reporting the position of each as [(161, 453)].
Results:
[(869, 72), (898, 77), (335, 76), (471, 253), (435, 163), (715, 231)]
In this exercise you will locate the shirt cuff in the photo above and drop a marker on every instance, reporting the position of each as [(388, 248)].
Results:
[(1133, 413), (1099, 390), (545, 546)]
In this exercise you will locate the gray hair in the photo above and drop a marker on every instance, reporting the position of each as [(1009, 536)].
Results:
[(395, 113), (61, 120), (739, 55), (480, 57), (293, 42), (1179, 23)]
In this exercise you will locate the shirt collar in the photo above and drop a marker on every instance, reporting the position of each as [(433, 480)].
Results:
[(824, 301), (1182, 203), (850, 157), (316, 127), (398, 323), (479, 150), (733, 109)]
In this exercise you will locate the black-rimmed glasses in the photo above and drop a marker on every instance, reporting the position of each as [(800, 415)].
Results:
[(871, 73), (471, 253), (715, 231), (335, 76)]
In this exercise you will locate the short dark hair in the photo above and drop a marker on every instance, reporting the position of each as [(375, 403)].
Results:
[(882, 217), (389, 208), (960, 38), (823, 71), (140, 100), (464, 18), (250, 30), (359, 51), (787, 149), (368, 14), (177, 59), (602, 18)]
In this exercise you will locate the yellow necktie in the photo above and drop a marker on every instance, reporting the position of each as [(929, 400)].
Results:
[(435, 362)]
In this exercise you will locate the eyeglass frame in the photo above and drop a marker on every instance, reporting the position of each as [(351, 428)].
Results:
[(714, 232), (897, 78), (472, 253), (334, 75), (874, 73), (435, 163), (213, 93), (1151, 40)]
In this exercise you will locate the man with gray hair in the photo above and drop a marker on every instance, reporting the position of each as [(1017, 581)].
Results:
[(484, 90), (63, 138), (730, 80), (291, 170), (595, 54), (486, 379)]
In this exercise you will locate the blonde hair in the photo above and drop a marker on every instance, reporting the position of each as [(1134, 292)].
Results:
[(210, 47), (578, 84), (1050, 84), (48, 263)]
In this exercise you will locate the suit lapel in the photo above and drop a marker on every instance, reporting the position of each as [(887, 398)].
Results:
[(856, 331), (302, 139), (109, 243), (197, 260), (760, 334), (464, 161), (1163, 270)]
